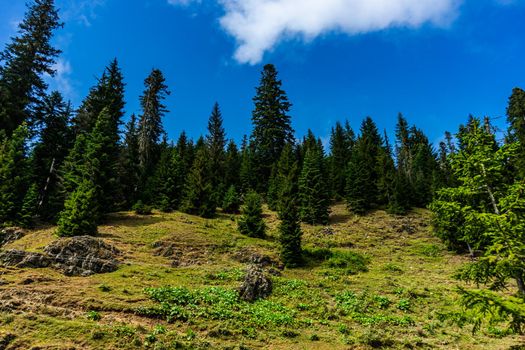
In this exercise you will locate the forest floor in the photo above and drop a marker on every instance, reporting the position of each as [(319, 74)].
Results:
[(368, 282)]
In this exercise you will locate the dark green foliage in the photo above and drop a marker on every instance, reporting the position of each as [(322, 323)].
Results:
[(314, 198), (386, 170), (168, 182), (199, 198), (516, 120), (290, 234), (141, 209), (80, 213), (272, 127), (251, 222), (107, 93), (26, 59), (14, 175), (232, 166), (247, 172), (150, 127), (362, 192), (216, 142), (129, 163), (56, 140), (29, 207), (341, 142), (231, 202), (399, 202), (417, 161), (285, 168), (485, 212)]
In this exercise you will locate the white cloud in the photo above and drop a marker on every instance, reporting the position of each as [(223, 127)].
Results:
[(81, 11), (259, 25), (62, 79)]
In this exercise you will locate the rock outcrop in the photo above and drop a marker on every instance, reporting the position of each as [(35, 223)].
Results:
[(10, 234), (77, 256)]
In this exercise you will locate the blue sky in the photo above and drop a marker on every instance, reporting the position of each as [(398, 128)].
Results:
[(437, 61)]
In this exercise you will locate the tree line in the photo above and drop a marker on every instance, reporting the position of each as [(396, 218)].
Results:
[(73, 166)]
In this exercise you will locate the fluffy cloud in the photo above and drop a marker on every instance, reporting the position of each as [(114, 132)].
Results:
[(259, 25)]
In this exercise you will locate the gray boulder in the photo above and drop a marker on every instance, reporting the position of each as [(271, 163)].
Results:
[(256, 284)]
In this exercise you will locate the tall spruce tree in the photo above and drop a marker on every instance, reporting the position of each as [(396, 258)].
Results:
[(341, 143), (89, 172), (81, 213), (232, 165), (129, 163), (286, 167), (199, 198), (314, 200), (216, 141), (290, 234), (168, 180), (362, 173), (272, 126), (485, 212), (251, 223), (150, 123), (107, 93), (49, 153), (14, 175), (516, 120), (247, 172), (24, 62)]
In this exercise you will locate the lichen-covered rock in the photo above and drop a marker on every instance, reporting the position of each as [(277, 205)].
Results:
[(77, 256), (20, 258), (10, 234), (83, 255), (256, 284)]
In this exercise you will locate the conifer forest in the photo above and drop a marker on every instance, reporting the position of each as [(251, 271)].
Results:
[(115, 234)]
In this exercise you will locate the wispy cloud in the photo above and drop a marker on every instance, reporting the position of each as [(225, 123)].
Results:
[(80, 11), (62, 80), (259, 25)]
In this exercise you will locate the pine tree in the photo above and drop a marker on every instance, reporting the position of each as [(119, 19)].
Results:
[(29, 207), (199, 197), (341, 143), (314, 200), (90, 160), (80, 213), (168, 183), (231, 202), (216, 141), (485, 212), (516, 120), (14, 175), (272, 126), (150, 123), (387, 173), (107, 93), (56, 139), (251, 222), (362, 172), (26, 59), (247, 173), (186, 152), (232, 166), (290, 233), (129, 163)]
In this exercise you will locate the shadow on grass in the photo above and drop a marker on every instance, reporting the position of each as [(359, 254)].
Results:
[(127, 220), (340, 218)]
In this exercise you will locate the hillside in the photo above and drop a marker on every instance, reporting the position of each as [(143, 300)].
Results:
[(383, 285)]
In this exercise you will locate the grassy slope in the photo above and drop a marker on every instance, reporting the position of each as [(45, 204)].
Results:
[(44, 308)]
